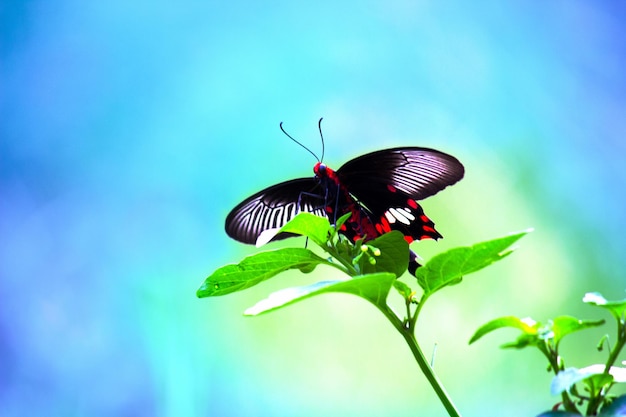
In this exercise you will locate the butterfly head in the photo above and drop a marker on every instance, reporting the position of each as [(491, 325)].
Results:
[(320, 169), (322, 172)]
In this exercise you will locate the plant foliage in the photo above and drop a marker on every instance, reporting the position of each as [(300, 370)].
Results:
[(596, 380), (368, 269)]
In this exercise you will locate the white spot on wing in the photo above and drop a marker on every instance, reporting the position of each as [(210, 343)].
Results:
[(266, 236), (390, 217), (408, 214), (400, 215)]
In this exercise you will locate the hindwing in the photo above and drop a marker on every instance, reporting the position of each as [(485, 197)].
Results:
[(273, 207)]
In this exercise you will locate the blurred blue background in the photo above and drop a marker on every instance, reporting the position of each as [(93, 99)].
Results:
[(128, 130)]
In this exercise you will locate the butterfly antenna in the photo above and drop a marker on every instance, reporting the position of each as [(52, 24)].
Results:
[(290, 137), (319, 126)]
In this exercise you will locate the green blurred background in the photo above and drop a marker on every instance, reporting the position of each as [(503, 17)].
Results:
[(128, 130)]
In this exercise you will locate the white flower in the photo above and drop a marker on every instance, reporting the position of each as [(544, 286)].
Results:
[(564, 380)]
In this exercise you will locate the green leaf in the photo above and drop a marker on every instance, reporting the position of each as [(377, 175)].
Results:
[(533, 332), (257, 268), (394, 254), (405, 291), (314, 227), (527, 325), (342, 220), (449, 267), (564, 325), (524, 340), (617, 308), (372, 287), (598, 383)]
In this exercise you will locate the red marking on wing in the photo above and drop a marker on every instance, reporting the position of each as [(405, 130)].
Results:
[(391, 188), (384, 226), (409, 239), (412, 203)]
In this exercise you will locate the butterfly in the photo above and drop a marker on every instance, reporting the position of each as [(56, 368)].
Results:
[(380, 189)]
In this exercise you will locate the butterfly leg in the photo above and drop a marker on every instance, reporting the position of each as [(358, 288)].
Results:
[(324, 208), (310, 208)]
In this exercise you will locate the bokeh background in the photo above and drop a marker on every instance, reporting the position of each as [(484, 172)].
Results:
[(128, 130)]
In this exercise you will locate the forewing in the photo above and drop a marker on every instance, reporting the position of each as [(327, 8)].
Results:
[(415, 172), (273, 207), (387, 184)]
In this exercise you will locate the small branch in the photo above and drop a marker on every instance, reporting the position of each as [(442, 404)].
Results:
[(596, 402), (350, 269), (553, 358), (413, 319), (619, 345)]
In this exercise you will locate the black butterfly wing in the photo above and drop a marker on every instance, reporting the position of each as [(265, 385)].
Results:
[(387, 184), (415, 172), (273, 207)]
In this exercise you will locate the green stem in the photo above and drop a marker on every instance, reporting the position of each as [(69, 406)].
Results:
[(553, 358), (597, 401), (413, 320), (349, 268), (409, 337), (619, 345)]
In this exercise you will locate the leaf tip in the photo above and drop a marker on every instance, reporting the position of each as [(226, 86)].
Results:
[(202, 292)]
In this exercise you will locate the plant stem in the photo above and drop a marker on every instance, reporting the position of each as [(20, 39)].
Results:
[(619, 345), (597, 401), (409, 337), (553, 359), (349, 268), (430, 374)]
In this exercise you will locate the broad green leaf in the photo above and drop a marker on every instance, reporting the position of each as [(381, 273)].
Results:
[(449, 267), (527, 325), (394, 254), (616, 409), (372, 287), (257, 268), (314, 227), (617, 308), (564, 325)]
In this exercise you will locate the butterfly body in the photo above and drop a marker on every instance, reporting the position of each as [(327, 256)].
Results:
[(380, 189), (339, 201)]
